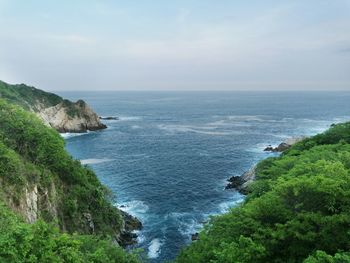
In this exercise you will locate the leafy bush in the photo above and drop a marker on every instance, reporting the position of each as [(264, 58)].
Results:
[(42, 242)]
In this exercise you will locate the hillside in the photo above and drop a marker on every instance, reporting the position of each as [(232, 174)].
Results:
[(61, 114), (45, 192), (297, 210)]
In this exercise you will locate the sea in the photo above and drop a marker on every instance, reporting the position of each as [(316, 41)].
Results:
[(169, 155)]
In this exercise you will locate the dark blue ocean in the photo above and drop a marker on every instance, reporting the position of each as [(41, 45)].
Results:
[(168, 156)]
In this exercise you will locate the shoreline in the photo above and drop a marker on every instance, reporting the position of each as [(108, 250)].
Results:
[(241, 182)]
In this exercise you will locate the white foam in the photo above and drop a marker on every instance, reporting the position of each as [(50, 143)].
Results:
[(154, 248), (140, 237), (226, 206), (95, 161), (136, 208), (68, 135), (228, 123), (207, 130), (187, 224), (257, 118), (260, 147), (129, 118)]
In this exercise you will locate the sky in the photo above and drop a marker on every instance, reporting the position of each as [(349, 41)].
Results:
[(176, 44)]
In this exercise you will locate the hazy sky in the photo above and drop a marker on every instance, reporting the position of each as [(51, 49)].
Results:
[(176, 44)]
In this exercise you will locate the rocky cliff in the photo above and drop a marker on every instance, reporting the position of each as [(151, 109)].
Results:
[(61, 114), (71, 117)]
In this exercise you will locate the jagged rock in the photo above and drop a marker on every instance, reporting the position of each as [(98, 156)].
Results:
[(63, 115), (90, 222), (128, 236), (241, 183), (234, 182), (284, 145), (269, 148), (79, 117)]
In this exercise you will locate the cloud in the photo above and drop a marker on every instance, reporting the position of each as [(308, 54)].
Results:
[(273, 46)]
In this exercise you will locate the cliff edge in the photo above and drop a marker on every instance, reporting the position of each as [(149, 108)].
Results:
[(40, 181), (61, 114)]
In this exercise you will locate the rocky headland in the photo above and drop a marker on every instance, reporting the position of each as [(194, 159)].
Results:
[(40, 181), (71, 117), (61, 114)]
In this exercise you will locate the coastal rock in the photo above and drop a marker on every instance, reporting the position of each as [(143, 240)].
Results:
[(241, 183), (234, 182), (77, 117), (127, 236), (108, 118), (57, 112), (284, 145), (195, 236)]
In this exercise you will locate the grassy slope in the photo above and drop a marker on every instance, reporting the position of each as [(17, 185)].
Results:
[(29, 98), (26, 96), (298, 209), (33, 154)]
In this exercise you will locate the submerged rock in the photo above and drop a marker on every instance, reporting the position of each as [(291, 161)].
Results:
[(109, 118)]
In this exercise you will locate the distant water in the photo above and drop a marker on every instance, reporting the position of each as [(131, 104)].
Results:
[(169, 155)]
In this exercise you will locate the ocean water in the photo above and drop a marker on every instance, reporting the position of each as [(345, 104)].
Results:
[(169, 155)]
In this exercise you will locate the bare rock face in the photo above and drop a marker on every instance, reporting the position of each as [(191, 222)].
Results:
[(34, 201), (71, 117), (30, 206)]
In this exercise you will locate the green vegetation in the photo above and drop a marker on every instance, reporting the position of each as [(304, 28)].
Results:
[(27, 97), (298, 209), (42, 242), (34, 164), (33, 99)]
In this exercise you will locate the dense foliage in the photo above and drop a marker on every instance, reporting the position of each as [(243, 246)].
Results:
[(32, 156), (42, 242), (26, 96), (34, 99), (298, 209)]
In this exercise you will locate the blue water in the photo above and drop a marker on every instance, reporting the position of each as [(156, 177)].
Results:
[(169, 155)]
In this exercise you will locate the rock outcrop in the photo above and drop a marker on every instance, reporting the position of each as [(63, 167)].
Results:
[(77, 117), (284, 145), (109, 118), (61, 114), (127, 236), (241, 183)]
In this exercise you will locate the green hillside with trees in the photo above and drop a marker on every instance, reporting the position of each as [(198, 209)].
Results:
[(72, 216), (297, 210)]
